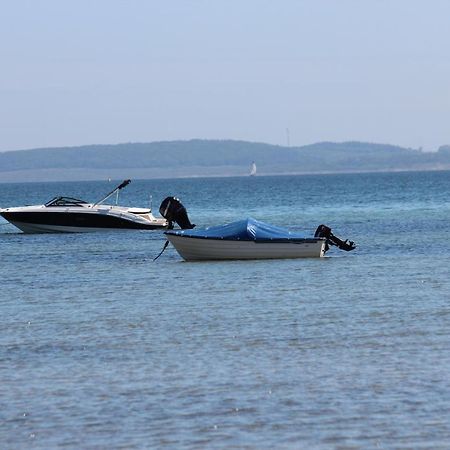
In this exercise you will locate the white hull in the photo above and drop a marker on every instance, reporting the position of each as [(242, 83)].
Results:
[(198, 249), (81, 219), (71, 215)]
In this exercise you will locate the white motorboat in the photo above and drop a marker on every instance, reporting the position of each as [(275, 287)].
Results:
[(252, 239), (71, 215)]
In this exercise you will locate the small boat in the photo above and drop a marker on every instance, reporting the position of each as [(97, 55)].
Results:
[(252, 239), (71, 215)]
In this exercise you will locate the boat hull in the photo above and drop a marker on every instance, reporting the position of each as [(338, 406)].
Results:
[(80, 222), (199, 249)]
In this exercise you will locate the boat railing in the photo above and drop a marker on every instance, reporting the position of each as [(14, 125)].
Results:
[(65, 201)]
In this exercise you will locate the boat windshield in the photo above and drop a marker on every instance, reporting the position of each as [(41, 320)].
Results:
[(65, 201)]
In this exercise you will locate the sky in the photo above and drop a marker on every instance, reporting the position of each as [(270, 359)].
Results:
[(288, 71)]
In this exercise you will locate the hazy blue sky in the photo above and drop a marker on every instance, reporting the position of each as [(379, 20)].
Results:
[(109, 71)]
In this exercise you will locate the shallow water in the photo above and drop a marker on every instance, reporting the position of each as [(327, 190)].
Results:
[(102, 347)]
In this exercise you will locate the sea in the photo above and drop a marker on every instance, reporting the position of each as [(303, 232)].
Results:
[(103, 347)]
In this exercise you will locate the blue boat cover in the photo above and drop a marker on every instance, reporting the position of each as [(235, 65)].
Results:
[(242, 230)]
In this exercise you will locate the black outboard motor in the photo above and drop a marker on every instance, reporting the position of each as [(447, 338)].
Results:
[(325, 232), (172, 210)]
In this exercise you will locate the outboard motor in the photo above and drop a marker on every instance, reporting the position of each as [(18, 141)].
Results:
[(325, 232), (172, 209)]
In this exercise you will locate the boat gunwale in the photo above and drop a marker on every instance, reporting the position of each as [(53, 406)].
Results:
[(259, 241)]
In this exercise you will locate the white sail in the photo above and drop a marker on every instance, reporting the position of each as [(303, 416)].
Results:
[(253, 169)]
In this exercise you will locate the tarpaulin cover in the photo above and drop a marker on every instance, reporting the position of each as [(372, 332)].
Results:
[(244, 230)]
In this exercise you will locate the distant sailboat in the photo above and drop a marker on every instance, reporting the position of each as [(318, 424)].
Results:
[(253, 169)]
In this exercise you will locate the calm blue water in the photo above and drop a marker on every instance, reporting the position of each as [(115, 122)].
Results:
[(100, 347)]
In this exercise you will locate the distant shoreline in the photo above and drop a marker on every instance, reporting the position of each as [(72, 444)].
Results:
[(126, 174)]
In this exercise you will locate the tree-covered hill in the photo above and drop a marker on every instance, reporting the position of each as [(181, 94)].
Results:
[(210, 157)]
